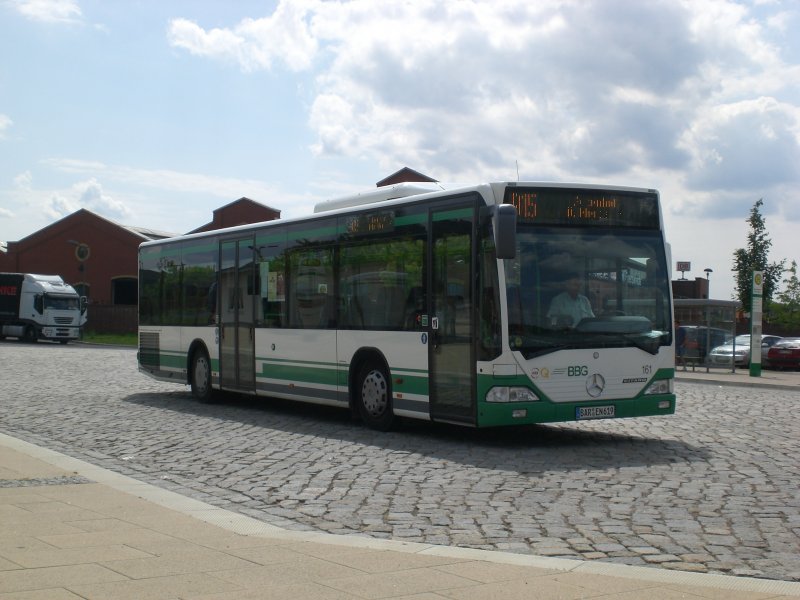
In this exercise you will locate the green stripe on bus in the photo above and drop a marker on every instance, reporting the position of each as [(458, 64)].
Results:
[(312, 234), (299, 374), (405, 384), (270, 237), (447, 215), (415, 219), (177, 361), (207, 247)]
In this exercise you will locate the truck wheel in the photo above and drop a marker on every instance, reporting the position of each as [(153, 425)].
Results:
[(30, 334), (374, 395), (201, 377)]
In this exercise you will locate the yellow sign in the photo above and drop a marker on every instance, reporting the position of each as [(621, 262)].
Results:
[(758, 282)]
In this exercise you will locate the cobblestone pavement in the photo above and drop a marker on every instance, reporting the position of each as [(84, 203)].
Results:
[(713, 488)]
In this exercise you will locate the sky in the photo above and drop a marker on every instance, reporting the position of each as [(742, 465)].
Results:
[(154, 113)]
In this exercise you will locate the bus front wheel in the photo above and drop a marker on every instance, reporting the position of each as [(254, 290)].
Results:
[(201, 377), (374, 396)]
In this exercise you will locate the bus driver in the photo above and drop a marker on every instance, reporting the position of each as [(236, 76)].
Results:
[(569, 307)]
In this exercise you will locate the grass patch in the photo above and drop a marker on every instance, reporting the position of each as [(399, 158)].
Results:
[(112, 339)]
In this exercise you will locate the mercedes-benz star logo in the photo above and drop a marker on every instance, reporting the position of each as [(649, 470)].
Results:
[(595, 384)]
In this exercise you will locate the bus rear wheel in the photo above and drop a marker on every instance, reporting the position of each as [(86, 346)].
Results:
[(201, 377), (374, 396)]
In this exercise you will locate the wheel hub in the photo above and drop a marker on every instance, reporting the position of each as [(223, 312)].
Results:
[(201, 375), (374, 393)]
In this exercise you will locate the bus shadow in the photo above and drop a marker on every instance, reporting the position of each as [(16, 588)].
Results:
[(523, 449)]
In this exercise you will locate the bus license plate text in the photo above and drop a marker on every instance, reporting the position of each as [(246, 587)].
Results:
[(594, 412)]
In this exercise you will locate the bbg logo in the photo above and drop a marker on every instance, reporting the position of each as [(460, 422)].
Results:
[(577, 371)]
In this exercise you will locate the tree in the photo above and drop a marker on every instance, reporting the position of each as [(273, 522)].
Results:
[(787, 309), (754, 258)]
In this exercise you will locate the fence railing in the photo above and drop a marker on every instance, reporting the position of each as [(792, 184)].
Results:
[(108, 318)]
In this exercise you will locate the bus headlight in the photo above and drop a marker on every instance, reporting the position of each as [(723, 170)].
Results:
[(511, 394), (660, 386)]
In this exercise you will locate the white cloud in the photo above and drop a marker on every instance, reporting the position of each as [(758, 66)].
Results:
[(23, 181), (167, 180), (94, 198), (50, 11), (483, 88), (467, 88), (254, 43), (5, 124), (60, 206), (87, 194), (609, 91), (645, 93), (750, 145)]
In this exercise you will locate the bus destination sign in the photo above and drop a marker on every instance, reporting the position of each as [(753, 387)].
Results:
[(561, 206), (370, 223)]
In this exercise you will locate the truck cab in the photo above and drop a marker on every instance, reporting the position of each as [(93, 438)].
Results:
[(34, 307)]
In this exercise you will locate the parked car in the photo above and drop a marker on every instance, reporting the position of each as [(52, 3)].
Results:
[(700, 338), (723, 355), (784, 354)]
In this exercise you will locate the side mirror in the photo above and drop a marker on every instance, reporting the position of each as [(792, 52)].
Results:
[(38, 303), (504, 220), (84, 302)]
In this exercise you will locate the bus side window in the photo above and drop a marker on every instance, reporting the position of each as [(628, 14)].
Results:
[(311, 289), (414, 309), (489, 342)]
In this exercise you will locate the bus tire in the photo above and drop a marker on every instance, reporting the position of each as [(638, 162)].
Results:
[(374, 395), (200, 379)]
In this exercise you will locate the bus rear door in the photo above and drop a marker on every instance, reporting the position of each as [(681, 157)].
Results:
[(237, 289)]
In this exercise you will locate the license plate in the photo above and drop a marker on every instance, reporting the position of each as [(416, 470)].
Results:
[(594, 412)]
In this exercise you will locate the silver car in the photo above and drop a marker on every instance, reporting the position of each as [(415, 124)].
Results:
[(739, 350)]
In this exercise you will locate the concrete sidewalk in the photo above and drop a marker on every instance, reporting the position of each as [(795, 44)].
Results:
[(769, 379), (71, 530)]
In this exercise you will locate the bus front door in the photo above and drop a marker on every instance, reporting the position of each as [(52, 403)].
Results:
[(451, 361), (236, 309)]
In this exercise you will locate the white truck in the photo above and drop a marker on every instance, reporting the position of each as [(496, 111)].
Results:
[(34, 307)]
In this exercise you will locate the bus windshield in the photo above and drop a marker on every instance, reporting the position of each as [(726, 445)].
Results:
[(587, 288), (61, 302)]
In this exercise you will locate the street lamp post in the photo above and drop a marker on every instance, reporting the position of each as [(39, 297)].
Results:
[(708, 273), (82, 253)]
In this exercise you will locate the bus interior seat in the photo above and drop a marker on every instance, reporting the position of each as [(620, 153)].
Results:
[(415, 307)]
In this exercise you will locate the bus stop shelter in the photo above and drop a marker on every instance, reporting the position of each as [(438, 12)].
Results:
[(708, 323)]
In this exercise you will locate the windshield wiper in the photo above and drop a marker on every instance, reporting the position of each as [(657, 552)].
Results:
[(648, 343)]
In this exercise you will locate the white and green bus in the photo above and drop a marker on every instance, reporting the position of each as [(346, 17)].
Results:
[(425, 302)]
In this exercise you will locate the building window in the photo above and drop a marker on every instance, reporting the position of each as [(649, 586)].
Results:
[(124, 290)]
